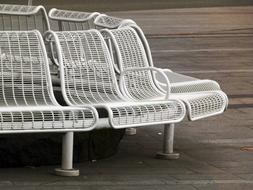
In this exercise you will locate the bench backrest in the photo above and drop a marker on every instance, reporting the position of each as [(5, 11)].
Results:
[(23, 17), (66, 20), (111, 22), (24, 71), (130, 53), (87, 68)]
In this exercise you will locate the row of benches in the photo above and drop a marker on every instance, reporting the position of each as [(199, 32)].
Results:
[(110, 68)]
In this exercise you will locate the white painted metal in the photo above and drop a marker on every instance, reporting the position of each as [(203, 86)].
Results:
[(78, 20), (26, 17), (179, 83), (201, 101), (67, 20), (72, 20), (110, 22), (27, 102), (168, 144), (169, 139), (23, 17), (67, 157), (145, 87), (87, 77), (67, 150), (30, 2)]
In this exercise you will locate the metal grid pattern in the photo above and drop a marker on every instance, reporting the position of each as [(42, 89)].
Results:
[(139, 84), (184, 84), (17, 9), (204, 104), (72, 20), (23, 17), (132, 54), (152, 114), (194, 86), (88, 74), (179, 83), (27, 103), (88, 78), (45, 119), (110, 22)]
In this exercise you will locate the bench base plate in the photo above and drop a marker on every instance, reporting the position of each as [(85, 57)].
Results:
[(66, 173), (167, 156)]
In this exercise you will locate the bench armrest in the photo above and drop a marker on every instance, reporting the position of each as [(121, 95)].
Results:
[(136, 69), (159, 83)]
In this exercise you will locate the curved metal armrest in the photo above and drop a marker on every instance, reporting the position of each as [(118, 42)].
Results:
[(167, 70), (133, 69), (161, 83)]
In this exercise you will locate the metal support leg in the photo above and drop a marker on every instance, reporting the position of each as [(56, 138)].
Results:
[(30, 2), (168, 142), (67, 157), (131, 131)]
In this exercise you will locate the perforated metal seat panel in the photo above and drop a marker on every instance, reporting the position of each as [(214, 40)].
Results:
[(27, 103), (203, 104), (184, 84), (201, 100), (45, 119), (194, 86), (146, 113), (89, 78)]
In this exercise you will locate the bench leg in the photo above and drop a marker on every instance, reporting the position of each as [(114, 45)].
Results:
[(67, 157), (131, 131), (30, 2), (168, 142)]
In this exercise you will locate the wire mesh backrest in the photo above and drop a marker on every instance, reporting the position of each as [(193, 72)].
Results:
[(105, 21), (23, 17), (88, 70), (131, 53), (110, 22), (65, 20), (23, 70)]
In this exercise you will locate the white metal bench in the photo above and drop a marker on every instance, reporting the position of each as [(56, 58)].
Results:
[(132, 56), (27, 103), (87, 77), (76, 20)]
